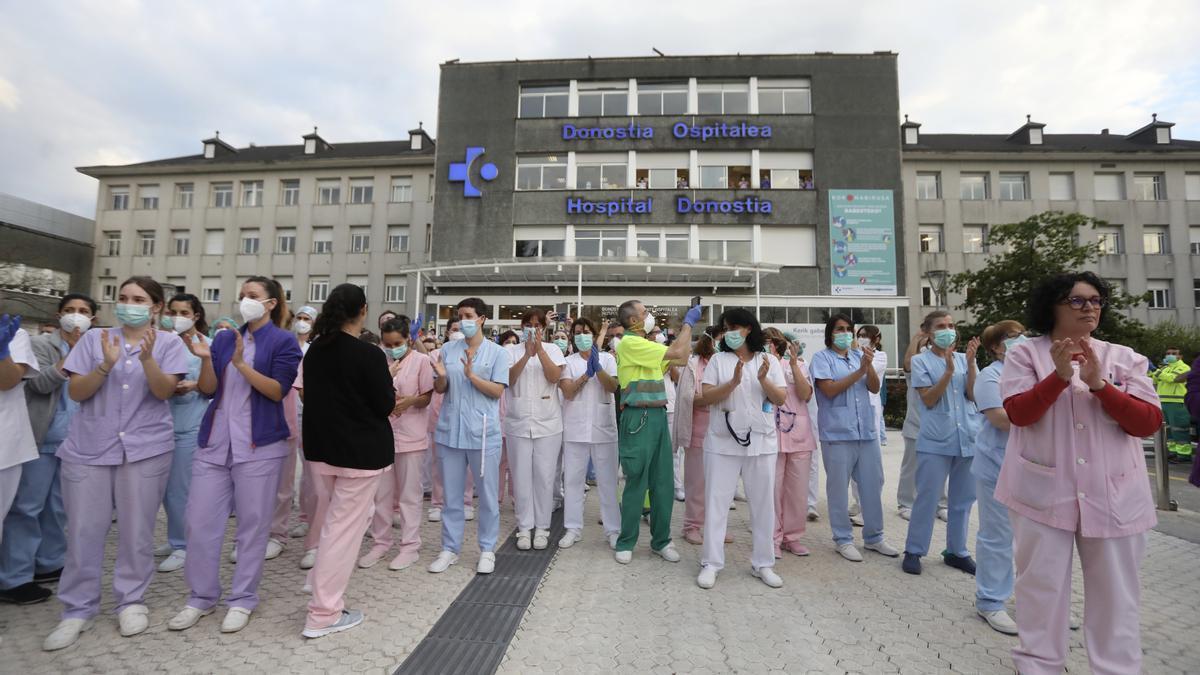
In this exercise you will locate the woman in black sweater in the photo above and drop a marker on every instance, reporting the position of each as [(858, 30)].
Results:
[(348, 396)]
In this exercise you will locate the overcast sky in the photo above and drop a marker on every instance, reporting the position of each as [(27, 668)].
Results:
[(117, 81)]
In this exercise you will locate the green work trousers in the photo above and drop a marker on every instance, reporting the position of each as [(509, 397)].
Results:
[(644, 446)]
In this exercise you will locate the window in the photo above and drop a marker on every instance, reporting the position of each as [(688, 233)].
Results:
[(222, 195), (286, 284), (784, 97), (540, 248), (1196, 293), (329, 191), (1062, 187), (360, 281), (929, 185), (112, 243), (1110, 186), (973, 186), (600, 173), (108, 290), (249, 242), (252, 193), (1014, 187), (285, 241), (147, 196), (1111, 240), (322, 240), (401, 188), (648, 246), (1191, 184), (398, 239), (394, 289), (1194, 241), (598, 99), (723, 98), (318, 289), (183, 195), (360, 240), (662, 98), (714, 177), (662, 170), (118, 198), (662, 245), (974, 238), (542, 172), (214, 242), (1160, 294), (1156, 240), (210, 290), (930, 239), (597, 243), (1149, 187), (146, 242), (362, 190), (676, 246), (181, 241), (289, 191), (728, 250), (544, 101), (928, 296)]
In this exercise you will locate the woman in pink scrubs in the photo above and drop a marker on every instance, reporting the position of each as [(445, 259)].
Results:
[(118, 451), (796, 444), (1074, 478), (691, 424)]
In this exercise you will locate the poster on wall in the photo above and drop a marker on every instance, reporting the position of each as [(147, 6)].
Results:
[(862, 242)]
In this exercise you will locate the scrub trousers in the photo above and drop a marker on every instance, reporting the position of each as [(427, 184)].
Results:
[(644, 448), (1179, 429), (351, 494), (721, 473), (693, 490), (932, 472), (906, 489), (36, 540), (791, 497), (993, 550), (534, 466), (401, 485), (456, 465), (576, 458), (862, 461), (179, 482)]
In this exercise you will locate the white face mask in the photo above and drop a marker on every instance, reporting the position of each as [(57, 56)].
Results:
[(181, 324), (616, 342), (863, 343), (648, 324), (303, 327), (251, 309), (69, 322), (457, 335), (660, 339)]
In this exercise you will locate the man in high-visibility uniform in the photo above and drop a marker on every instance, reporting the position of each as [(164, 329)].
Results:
[(1170, 382)]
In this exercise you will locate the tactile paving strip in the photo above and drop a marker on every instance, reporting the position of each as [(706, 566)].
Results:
[(473, 633)]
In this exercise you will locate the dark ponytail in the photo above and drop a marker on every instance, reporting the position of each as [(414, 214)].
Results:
[(274, 290), (344, 304)]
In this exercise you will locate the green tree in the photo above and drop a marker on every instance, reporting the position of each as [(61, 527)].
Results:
[(1024, 253)]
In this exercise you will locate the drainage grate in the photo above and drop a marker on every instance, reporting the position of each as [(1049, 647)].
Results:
[(473, 633)]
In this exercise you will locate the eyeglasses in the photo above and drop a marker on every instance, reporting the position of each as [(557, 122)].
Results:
[(1077, 302)]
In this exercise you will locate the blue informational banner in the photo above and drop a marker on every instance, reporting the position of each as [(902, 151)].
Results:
[(862, 242)]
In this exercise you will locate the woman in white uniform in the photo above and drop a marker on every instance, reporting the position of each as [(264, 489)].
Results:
[(742, 385), (533, 428)]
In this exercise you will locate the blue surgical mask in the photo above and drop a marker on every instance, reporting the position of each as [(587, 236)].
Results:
[(734, 339), (399, 352), (469, 328), (1170, 358), (945, 337), (561, 344), (1013, 342), (134, 316), (583, 342), (843, 340)]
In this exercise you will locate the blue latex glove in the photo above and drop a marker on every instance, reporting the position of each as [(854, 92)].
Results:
[(8, 330), (415, 330), (693, 315), (593, 364)]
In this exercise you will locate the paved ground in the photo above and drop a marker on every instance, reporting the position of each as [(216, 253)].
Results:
[(591, 615)]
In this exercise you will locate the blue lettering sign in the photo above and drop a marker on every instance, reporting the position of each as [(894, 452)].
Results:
[(571, 132), (704, 133), (744, 205), (578, 206)]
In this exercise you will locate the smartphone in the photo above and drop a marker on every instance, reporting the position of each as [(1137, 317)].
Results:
[(695, 302)]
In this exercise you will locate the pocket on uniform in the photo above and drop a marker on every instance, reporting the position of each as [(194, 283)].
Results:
[(1034, 484), (937, 426), (72, 472), (1129, 497)]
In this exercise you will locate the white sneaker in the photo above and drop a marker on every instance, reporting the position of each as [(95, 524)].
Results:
[(906, 513), (233, 554), (882, 548), (274, 548), (298, 530), (679, 496), (309, 559), (857, 520), (1000, 621), (235, 619), (707, 577), (306, 588), (65, 634), (350, 619), (667, 553), (612, 540), (373, 556), (397, 521), (173, 562), (163, 550), (468, 513), (943, 515), (855, 509), (849, 552), (134, 619), (813, 514), (541, 539), (624, 557), (523, 541), (403, 561), (187, 618), (443, 562), (435, 515), (768, 576), (568, 540), (487, 563)]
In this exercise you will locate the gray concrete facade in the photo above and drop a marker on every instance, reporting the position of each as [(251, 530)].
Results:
[(44, 254)]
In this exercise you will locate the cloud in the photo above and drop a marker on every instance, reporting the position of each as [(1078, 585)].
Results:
[(115, 82)]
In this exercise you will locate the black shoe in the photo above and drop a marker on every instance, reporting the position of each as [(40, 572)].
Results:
[(26, 594), (912, 563), (48, 577), (1175, 458), (964, 563)]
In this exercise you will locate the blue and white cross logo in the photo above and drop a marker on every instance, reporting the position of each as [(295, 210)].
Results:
[(460, 172)]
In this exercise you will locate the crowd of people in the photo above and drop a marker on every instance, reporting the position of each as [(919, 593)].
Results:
[(209, 421)]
